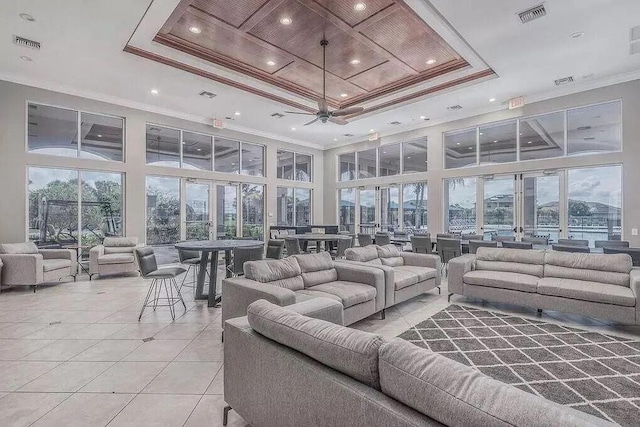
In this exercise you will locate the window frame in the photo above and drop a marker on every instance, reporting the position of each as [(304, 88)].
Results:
[(295, 165), (294, 199)]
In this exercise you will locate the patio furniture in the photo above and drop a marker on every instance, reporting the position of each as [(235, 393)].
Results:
[(114, 256), (146, 259)]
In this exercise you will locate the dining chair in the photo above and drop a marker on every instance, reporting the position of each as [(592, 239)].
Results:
[(421, 244), (382, 239), (536, 240), (503, 238), (571, 248), (292, 245), (475, 244), (242, 255), (611, 244), (634, 253), (448, 249), (573, 242), (364, 239), (517, 245), (192, 260), (343, 245), (275, 248), (472, 237), (444, 236)]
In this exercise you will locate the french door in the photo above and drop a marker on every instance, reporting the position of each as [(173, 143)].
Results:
[(377, 208), (206, 203)]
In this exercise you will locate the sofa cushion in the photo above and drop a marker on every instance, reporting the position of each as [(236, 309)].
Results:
[(424, 273), (390, 255), (362, 253), (55, 264), (352, 352), (587, 291), (459, 396), (18, 248), (118, 249), (502, 279), (284, 273), (307, 294), (350, 293), (610, 268), (120, 242), (510, 260), (316, 269), (117, 258), (403, 279)]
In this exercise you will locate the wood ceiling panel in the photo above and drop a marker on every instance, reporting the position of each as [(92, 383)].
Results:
[(379, 76), (234, 12), (344, 10), (228, 43), (409, 39), (304, 74)]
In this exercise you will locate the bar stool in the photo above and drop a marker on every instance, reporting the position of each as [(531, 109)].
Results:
[(149, 269), (192, 260)]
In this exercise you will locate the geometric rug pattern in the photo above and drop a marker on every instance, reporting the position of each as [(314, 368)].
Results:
[(588, 371)]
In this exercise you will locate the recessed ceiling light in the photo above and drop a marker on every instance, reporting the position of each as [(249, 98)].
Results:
[(293, 128), (271, 63), (195, 30), (286, 21), (354, 61), (99, 135), (431, 61), (198, 149), (26, 58), (495, 140), (457, 143), (154, 91), (576, 35), (408, 157), (422, 117), (237, 113), (481, 133), (335, 139), (371, 130), (27, 17), (359, 7), (529, 142), (492, 100), (470, 148), (344, 95), (384, 152)]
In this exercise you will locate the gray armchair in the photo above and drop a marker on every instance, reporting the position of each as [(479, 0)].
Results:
[(26, 265), (114, 256)]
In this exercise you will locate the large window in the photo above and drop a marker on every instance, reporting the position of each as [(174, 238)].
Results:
[(54, 131), (163, 146), (294, 206), (294, 166), (56, 196), (163, 210), (347, 167), (414, 155), (584, 130), (414, 206), (595, 203), (367, 164), (253, 211), (347, 209), (460, 205), (196, 151), (226, 211), (389, 158), (252, 159), (227, 156), (389, 205)]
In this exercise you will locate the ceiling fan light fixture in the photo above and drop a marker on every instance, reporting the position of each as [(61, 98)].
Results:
[(359, 7), (286, 21)]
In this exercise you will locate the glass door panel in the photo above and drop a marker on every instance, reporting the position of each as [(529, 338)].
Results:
[(389, 204), (197, 211), (347, 209), (226, 211), (367, 204), (253, 211), (460, 205), (540, 207), (498, 204), (414, 206)]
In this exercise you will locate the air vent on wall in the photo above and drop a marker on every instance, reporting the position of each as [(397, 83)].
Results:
[(207, 94), (564, 81), (277, 115), (455, 107), (21, 41), (533, 13), (395, 123)]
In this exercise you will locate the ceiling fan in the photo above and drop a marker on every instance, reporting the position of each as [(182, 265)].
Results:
[(323, 114)]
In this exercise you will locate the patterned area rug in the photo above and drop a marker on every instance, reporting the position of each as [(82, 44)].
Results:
[(592, 372)]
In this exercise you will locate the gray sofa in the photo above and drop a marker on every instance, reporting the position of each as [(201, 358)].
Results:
[(297, 278), (407, 274), (595, 285), (26, 265), (114, 256), (285, 369)]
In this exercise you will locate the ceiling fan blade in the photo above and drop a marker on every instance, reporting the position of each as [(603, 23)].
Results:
[(347, 111), (311, 122), (322, 105), (338, 121), (297, 112)]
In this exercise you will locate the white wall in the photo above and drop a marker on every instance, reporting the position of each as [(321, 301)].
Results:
[(14, 159), (629, 93)]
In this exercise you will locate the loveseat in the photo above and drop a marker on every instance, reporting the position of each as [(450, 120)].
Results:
[(596, 285), (407, 274), (114, 256), (27, 265), (360, 289), (285, 369)]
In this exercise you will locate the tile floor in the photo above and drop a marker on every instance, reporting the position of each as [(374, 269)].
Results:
[(74, 354)]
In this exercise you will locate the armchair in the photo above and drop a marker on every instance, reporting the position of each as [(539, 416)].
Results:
[(26, 265), (114, 256)]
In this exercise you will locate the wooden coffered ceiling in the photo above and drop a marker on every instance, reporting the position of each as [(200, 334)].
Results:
[(372, 53)]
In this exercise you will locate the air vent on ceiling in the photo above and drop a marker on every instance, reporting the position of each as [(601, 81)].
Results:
[(564, 81), (277, 115), (348, 134), (21, 41), (590, 138), (455, 107), (584, 127), (533, 13), (395, 123), (207, 94)]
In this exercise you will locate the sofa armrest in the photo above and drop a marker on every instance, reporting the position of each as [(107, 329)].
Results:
[(389, 279), (238, 293), (22, 269), (423, 260), (634, 276), (457, 269), (320, 308), (372, 276), (95, 253)]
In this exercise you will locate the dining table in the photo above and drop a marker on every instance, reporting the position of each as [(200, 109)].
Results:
[(209, 250)]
